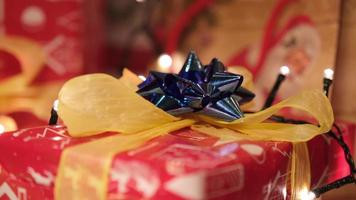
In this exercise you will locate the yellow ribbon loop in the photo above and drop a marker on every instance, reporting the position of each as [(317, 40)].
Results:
[(92, 104), (313, 102), (104, 103)]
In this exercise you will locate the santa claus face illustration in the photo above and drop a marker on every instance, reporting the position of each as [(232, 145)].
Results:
[(298, 49), (295, 43)]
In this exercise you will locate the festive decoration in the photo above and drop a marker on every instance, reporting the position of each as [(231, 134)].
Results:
[(289, 37), (184, 164), (176, 142), (272, 36), (7, 124), (284, 71), (190, 88), (349, 179), (207, 90), (63, 29), (327, 81), (48, 42), (165, 61), (104, 103)]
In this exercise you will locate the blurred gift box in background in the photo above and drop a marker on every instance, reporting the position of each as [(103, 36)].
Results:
[(71, 37)]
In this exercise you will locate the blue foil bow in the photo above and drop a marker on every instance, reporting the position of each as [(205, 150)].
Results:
[(207, 90)]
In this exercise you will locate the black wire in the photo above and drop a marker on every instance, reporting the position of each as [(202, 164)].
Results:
[(334, 185), (343, 145), (54, 117), (272, 94), (347, 153), (348, 157)]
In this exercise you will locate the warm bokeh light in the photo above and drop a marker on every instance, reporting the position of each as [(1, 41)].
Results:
[(165, 61), (284, 192), (2, 128), (55, 105), (142, 77), (306, 195), (7, 124), (329, 73), (178, 61), (284, 70)]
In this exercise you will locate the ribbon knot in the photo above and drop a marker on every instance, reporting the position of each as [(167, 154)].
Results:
[(207, 90)]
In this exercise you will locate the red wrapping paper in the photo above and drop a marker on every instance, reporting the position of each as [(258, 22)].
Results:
[(184, 164), (70, 32), (339, 167)]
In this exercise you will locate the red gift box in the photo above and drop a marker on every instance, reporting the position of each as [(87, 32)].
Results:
[(184, 164)]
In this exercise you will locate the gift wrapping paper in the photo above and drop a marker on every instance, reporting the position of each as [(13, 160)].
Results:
[(69, 31), (339, 167), (184, 164)]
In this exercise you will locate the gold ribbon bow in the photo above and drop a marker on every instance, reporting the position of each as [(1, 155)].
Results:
[(92, 104)]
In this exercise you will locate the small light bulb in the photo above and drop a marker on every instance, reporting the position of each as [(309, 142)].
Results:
[(306, 195), (284, 192), (329, 73), (7, 124), (2, 128), (55, 105), (140, 1), (284, 70), (165, 61), (57, 138), (142, 77), (311, 195)]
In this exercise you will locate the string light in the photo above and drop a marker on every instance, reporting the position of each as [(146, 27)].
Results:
[(306, 195), (165, 61), (142, 77), (2, 129), (283, 72), (329, 73), (7, 124), (57, 138), (55, 105), (284, 192), (327, 81), (351, 178)]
